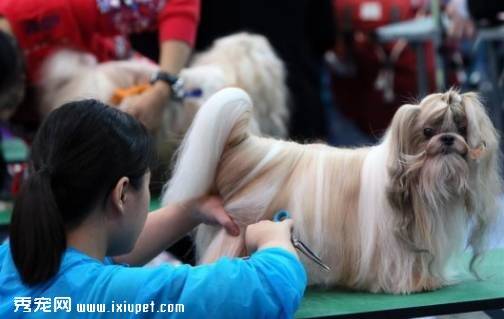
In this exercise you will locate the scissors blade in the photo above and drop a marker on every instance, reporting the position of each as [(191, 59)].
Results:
[(309, 253)]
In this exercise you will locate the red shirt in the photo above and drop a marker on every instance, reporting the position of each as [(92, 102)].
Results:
[(41, 26)]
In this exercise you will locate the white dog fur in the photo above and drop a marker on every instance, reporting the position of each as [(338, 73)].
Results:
[(244, 60), (249, 62), (385, 218)]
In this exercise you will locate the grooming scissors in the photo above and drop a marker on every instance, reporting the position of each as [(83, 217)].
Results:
[(282, 215)]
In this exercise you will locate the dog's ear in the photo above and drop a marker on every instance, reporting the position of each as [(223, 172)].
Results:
[(480, 130), (486, 183), (401, 129), (399, 139)]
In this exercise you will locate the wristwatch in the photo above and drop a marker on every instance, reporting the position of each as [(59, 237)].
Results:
[(176, 84)]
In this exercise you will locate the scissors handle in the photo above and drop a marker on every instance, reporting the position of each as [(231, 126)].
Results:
[(299, 245), (281, 215)]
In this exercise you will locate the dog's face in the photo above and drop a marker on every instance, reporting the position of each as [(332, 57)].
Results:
[(441, 127), (436, 144), (443, 170)]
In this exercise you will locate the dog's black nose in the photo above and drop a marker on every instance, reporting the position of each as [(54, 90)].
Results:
[(447, 139)]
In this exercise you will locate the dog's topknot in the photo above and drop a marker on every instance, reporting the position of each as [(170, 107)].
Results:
[(452, 97)]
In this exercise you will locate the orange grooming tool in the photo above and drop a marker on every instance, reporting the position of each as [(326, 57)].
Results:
[(122, 93)]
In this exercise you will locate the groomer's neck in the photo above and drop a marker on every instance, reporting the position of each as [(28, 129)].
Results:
[(5, 25), (90, 237)]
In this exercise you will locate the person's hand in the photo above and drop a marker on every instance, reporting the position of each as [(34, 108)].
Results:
[(461, 24), (266, 233), (209, 210), (148, 107)]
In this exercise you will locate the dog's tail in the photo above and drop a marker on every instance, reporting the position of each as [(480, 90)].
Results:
[(248, 61), (223, 120)]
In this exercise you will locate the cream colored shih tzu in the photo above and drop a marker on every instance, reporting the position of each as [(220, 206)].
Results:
[(388, 218)]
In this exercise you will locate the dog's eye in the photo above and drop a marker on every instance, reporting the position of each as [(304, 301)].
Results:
[(428, 132), (462, 130)]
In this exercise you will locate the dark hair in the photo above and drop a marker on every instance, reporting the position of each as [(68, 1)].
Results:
[(79, 153), (12, 72)]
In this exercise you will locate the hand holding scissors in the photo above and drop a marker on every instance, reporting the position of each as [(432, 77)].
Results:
[(299, 245)]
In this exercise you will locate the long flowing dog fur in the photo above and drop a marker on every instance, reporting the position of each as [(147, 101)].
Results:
[(387, 218)]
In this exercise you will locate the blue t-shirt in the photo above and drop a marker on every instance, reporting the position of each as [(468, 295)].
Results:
[(269, 284)]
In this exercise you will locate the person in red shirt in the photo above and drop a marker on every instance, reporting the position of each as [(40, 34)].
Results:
[(97, 26)]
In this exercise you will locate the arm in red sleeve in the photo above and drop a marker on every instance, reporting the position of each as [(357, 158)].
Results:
[(97, 19), (179, 21)]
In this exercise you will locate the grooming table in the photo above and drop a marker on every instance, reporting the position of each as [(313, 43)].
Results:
[(469, 295), (15, 151), (5, 216)]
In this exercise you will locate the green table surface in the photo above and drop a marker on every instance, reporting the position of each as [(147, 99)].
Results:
[(155, 203), (14, 150), (5, 213), (5, 217), (468, 295)]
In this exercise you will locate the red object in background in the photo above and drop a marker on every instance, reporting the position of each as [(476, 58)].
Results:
[(356, 95), (18, 172), (41, 26), (94, 26)]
